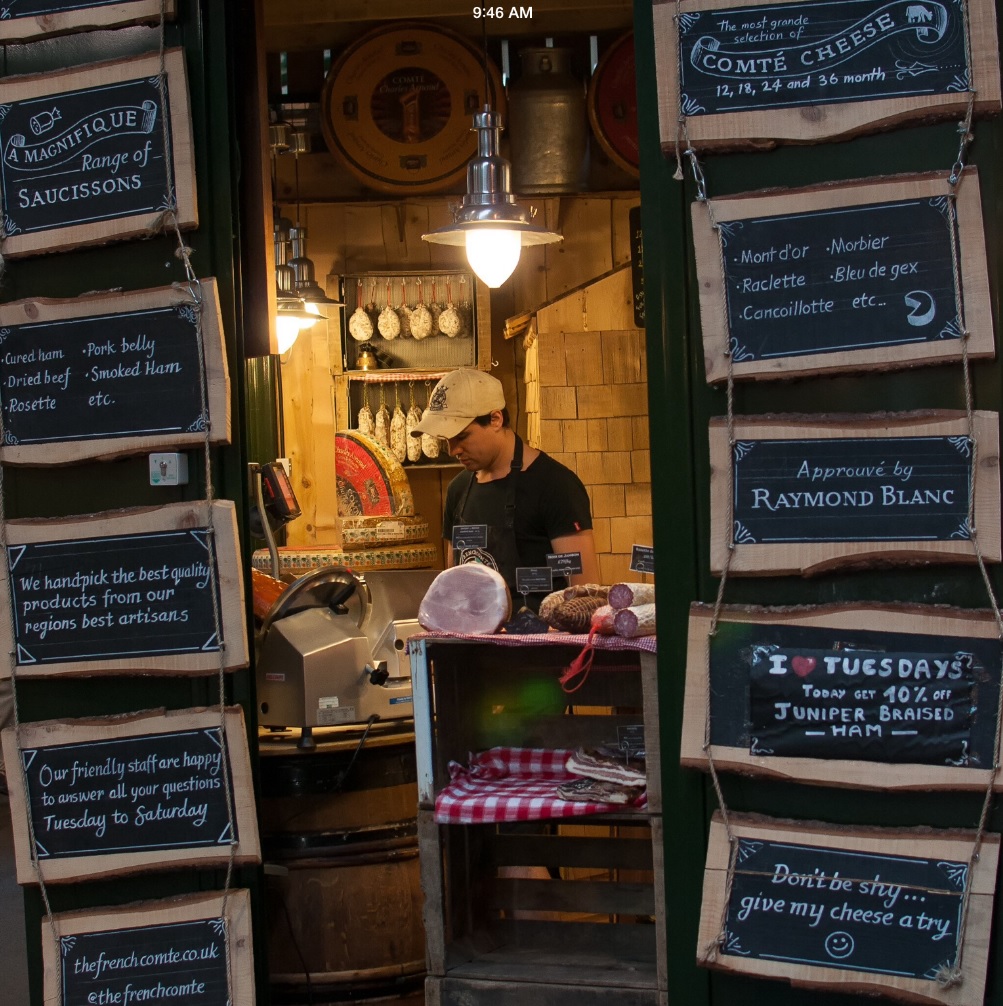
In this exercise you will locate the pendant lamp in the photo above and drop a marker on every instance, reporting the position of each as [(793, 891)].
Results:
[(490, 224)]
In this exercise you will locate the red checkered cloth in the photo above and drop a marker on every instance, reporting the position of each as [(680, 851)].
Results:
[(513, 784)]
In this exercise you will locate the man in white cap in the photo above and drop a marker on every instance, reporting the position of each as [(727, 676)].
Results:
[(529, 504)]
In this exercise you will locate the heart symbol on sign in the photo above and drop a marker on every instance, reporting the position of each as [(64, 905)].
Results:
[(803, 666)]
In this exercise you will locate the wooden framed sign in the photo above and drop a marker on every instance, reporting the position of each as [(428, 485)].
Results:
[(851, 909), (811, 493), (22, 20), (126, 591), (842, 277), (120, 795), (82, 158), (111, 374), (869, 696), (754, 73), (193, 949)]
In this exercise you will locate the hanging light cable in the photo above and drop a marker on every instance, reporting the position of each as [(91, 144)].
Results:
[(490, 224), (304, 283)]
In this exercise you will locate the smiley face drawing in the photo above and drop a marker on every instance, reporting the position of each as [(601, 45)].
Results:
[(839, 945)]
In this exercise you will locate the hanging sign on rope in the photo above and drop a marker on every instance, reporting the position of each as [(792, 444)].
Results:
[(749, 74), (863, 909), (842, 277), (23, 20), (870, 696), (192, 949), (83, 158), (112, 374), (128, 591), (119, 795), (806, 493)]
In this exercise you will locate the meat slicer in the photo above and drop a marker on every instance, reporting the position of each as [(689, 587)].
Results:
[(332, 649)]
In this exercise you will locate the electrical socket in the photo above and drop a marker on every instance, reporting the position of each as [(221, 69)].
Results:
[(168, 469)]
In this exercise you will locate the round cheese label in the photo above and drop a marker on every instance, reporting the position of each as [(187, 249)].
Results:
[(397, 107)]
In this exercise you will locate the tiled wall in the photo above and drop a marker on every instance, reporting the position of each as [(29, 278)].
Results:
[(586, 374)]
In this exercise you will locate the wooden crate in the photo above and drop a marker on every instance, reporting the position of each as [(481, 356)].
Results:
[(557, 912), (464, 991), (470, 696), (569, 904)]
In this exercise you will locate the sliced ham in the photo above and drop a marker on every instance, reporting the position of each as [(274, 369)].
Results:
[(607, 767), (465, 599), (627, 595), (635, 621)]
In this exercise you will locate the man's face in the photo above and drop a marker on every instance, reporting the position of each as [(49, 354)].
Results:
[(476, 446)]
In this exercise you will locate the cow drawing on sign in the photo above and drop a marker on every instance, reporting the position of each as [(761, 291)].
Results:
[(918, 14)]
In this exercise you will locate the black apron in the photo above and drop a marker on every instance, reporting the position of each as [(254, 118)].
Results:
[(502, 550)]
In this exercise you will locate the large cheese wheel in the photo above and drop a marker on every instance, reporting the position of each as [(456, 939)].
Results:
[(366, 532), (301, 560), (371, 482)]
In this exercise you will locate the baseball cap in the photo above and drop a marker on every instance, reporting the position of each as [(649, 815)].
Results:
[(459, 398)]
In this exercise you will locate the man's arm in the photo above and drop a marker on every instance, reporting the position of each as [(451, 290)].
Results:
[(583, 542)]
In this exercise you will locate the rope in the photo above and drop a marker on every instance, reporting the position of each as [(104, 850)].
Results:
[(950, 976), (183, 252)]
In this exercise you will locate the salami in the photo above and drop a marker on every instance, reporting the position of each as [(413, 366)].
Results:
[(575, 615), (471, 598), (627, 595), (638, 620), (602, 620)]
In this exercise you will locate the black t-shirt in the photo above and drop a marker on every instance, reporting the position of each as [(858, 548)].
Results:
[(550, 502)]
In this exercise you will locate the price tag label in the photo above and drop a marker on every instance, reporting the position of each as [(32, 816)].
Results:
[(470, 536), (534, 579), (630, 739), (565, 563), (642, 559)]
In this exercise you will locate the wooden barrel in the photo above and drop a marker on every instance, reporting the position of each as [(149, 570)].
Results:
[(343, 886)]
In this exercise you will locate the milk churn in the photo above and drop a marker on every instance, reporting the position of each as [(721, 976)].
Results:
[(547, 124)]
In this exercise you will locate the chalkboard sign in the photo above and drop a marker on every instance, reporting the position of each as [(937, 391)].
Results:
[(637, 264), (810, 281), (193, 950), (82, 158), (125, 593), (114, 796), (858, 695), (809, 492), (872, 910), (111, 374), (21, 20), (806, 70)]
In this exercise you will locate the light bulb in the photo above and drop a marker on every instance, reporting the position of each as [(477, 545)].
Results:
[(286, 329), (493, 253)]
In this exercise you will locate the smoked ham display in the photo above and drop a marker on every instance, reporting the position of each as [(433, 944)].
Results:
[(471, 598)]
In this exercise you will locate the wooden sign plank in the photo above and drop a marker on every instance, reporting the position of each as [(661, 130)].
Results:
[(841, 277), (111, 374), (861, 695), (850, 910), (23, 20), (126, 591), (812, 493), (82, 158), (765, 71), (193, 949), (119, 795)]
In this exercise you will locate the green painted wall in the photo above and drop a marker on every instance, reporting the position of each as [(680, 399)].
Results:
[(212, 35), (681, 404)]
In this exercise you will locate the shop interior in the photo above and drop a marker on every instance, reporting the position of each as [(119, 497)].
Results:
[(565, 336)]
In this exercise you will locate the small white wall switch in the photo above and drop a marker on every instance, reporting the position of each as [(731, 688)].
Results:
[(169, 469)]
